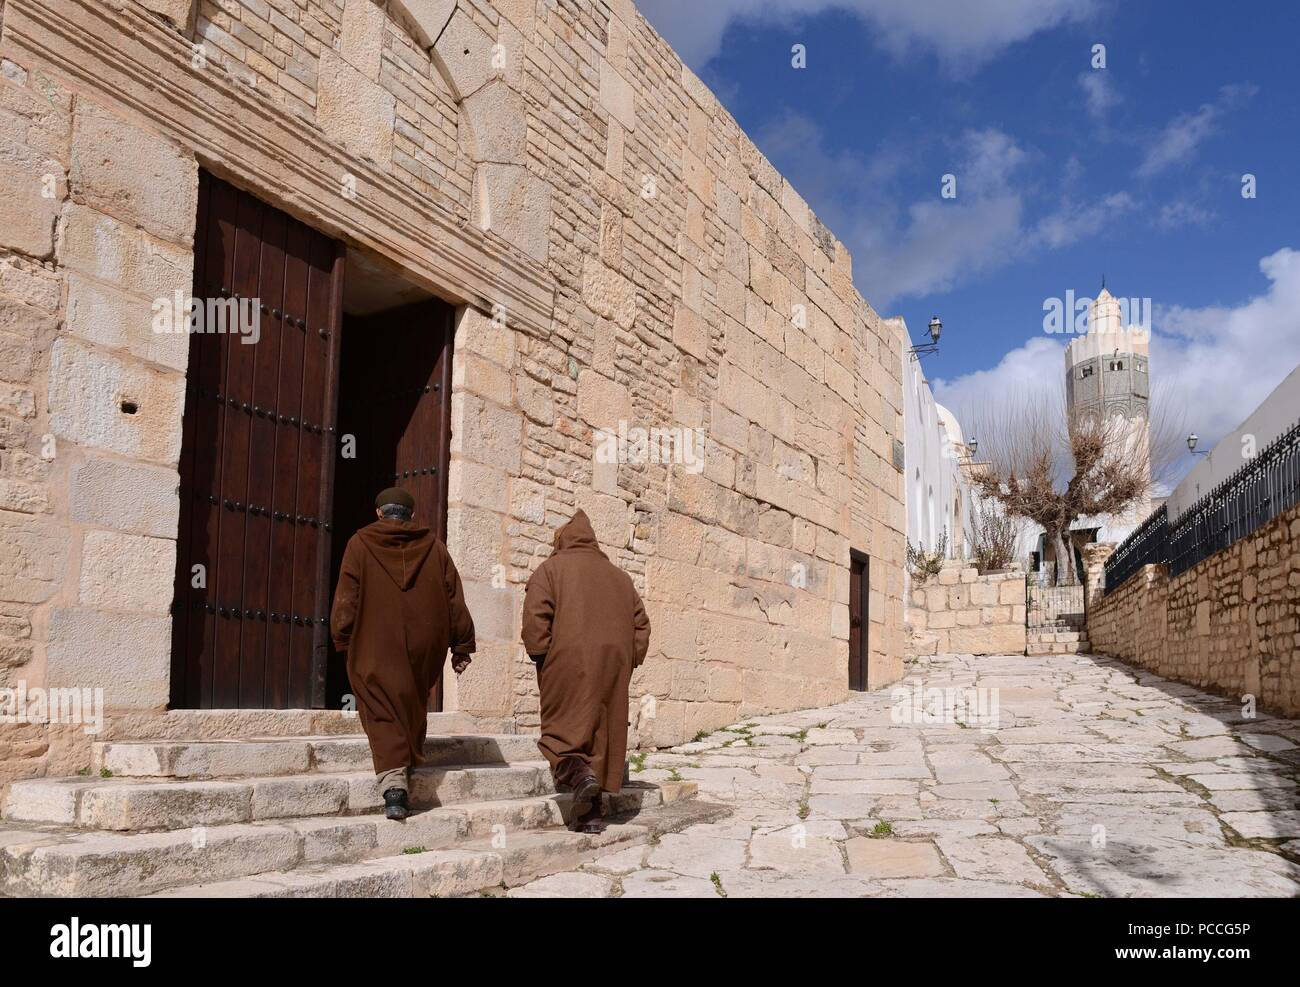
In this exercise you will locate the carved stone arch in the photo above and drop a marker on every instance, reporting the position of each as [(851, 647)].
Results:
[(484, 75)]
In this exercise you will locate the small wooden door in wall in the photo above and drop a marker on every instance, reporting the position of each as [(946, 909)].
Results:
[(859, 643)]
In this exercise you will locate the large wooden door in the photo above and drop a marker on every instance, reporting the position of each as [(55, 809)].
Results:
[(394, 421), (859, 645), (250, 614)]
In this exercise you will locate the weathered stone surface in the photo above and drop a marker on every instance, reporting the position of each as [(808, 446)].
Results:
[(134, 175), (886, 858), (127, 572), (33, 556), (466, 54), (569, 885), (1090, 790), (428, 17), (617, 95), (514, 204), (99, 313), (115, 252), (179, 13), (355, 111), (105, 402), (666, 884), (128, 497), (124, 654), (362, 42), (27, 213), (498, 121), (992, 859)]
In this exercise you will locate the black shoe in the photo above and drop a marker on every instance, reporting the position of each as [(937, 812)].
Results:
[(396, 804), (586, 789)]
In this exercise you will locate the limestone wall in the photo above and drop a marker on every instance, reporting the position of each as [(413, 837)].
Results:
[(962, 611), (1230, 624), (621, 252)]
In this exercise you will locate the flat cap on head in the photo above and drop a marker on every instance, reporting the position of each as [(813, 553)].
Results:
[(395, 495)]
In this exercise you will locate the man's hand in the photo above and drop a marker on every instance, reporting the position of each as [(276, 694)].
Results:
[(459, 663)]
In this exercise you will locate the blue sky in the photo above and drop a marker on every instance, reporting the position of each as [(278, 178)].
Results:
[(1064, 172)]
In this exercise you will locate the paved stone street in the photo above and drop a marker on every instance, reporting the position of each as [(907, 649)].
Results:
[(1094, 779)]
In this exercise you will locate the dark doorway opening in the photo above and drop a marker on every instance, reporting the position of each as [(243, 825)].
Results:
[(394, 417), (859, 619)]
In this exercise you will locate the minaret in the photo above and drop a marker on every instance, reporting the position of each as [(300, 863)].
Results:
[(1107, 373)]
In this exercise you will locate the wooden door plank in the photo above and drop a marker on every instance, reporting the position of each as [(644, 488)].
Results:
[(207, 440), (286, 495), (256, 665), (232, 528)]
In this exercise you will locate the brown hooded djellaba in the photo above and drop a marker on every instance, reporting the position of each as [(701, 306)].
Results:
[(399, 606), (583, 615)]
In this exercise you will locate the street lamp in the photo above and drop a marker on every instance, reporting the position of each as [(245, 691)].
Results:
[(973, 446), (920, 349), (1192, 439)]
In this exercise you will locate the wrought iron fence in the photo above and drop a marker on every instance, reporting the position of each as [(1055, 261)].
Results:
[(1148, 545), (1054, 605), (1248, 499)]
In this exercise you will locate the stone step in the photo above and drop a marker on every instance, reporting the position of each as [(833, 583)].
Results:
[(61, 862), (476, 867), (263, 756), (237, 724), (121, 804), (1056, 648), (1057, 637)]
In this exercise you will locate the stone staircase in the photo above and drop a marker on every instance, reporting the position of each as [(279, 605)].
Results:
[(1062, 636), (298, 815)]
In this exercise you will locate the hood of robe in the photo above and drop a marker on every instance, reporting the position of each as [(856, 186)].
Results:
[(400, 548), (576, 533)]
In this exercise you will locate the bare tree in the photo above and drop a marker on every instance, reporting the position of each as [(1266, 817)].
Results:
[(1053, 469), (995, 534)]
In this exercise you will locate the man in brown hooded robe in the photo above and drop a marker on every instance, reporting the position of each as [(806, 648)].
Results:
[(397, 609), (586, 629)]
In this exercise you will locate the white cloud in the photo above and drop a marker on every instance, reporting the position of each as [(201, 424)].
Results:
[(938, 242), (962, 33), (1036, 368), (1181, 136), (1225, 360), (1214, 364), (1073, 220), (1100, 96), (1175, 215), (932, 244)]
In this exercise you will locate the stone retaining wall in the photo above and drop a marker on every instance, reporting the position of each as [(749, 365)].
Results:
[(960, 611), (1230, 624)]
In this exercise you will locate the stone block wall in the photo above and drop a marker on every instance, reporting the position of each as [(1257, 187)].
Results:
[(96, 222), (621, 253), (962, 611), (1230, 624)]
